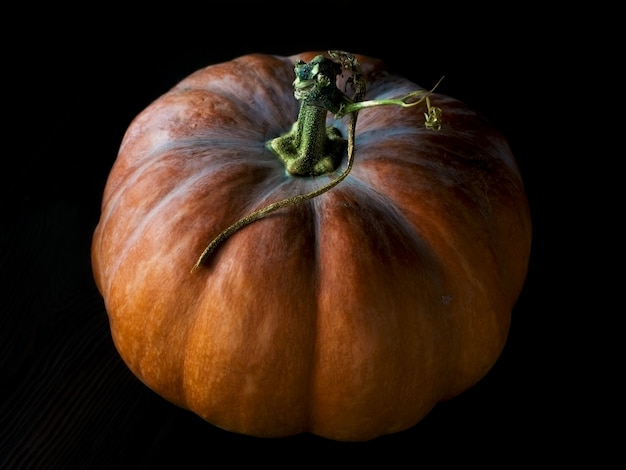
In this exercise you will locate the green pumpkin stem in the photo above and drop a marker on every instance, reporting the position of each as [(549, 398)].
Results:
[(311, 148)]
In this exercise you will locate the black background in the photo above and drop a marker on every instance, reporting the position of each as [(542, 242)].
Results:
[(73, 82)]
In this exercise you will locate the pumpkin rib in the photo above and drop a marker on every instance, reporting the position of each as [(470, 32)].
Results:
[(231, 361), (151, 211), (446, 245), (195, 182), (351, 186)]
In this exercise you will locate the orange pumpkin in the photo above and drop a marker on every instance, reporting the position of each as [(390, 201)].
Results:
[(348, 315)]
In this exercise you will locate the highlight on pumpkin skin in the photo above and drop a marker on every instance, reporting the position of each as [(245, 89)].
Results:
[(312, 83)]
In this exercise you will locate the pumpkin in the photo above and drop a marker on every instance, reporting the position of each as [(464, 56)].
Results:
[(349, 313)]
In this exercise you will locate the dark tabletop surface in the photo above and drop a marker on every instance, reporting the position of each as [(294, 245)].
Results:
[(66, 398)]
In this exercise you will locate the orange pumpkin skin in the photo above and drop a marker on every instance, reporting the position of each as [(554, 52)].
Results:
[(348, 316)]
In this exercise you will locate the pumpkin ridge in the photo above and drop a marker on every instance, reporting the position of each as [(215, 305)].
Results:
[(149, 213), (347, 192)]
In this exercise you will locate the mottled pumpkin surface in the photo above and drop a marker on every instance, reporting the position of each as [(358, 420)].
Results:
[(348, 316)]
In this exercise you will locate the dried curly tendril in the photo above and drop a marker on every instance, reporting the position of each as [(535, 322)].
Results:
[(315, 87)]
